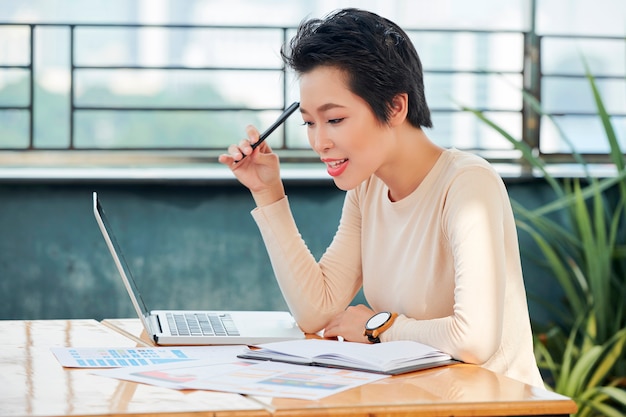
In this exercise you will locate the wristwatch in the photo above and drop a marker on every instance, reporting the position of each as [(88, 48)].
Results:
[(377, 324)]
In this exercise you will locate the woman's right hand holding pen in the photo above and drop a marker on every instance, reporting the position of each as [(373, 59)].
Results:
[(258, 169)]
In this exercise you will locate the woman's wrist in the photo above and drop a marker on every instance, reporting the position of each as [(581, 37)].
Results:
[(269, 195)]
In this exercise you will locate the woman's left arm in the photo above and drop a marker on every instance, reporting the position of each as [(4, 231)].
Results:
[(474, 224)]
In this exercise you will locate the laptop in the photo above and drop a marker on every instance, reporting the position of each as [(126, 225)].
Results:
[(182, 327)]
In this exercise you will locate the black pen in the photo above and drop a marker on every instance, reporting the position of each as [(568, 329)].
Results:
[(281, 119)]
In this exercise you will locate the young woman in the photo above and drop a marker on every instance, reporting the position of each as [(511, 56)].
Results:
[(427, 232)]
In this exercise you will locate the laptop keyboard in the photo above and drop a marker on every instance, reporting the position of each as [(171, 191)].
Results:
[(201, 324)]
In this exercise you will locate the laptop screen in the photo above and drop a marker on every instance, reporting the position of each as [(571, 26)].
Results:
[(118, 256)]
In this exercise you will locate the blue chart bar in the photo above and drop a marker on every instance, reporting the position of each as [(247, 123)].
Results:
[(115, 357)]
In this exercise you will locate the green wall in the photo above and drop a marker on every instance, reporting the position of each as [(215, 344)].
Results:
[(188, 245)]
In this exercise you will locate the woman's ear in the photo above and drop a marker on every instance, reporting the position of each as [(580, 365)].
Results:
[(399, 109)]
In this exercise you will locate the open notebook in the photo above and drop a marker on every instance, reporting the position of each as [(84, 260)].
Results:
[(181, 327), (392, 358)]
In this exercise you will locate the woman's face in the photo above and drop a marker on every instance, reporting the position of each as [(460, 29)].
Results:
[(341, 127)]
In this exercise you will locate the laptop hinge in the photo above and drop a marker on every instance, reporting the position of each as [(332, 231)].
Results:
[(155, 324)]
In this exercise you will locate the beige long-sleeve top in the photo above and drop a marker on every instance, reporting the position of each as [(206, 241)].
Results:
[(446, 258)]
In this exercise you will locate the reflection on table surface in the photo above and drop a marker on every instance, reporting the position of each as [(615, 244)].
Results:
[(35, 384), (438, 390)]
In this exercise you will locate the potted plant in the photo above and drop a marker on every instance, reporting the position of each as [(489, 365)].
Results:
[(581, 236)]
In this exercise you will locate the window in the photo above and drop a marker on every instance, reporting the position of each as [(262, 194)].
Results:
[(166, 87)]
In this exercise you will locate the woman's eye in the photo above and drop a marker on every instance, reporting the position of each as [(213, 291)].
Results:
[(330, 121)]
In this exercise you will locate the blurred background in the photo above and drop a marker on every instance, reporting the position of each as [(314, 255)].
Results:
[(154, 74), (136, 98)]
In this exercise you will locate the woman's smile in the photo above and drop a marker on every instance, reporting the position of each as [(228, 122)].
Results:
[(335, 167)]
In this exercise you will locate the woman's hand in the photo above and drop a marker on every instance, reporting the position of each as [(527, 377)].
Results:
[(259, 170), (350, 324)]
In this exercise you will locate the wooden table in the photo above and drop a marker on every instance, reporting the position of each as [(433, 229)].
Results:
[(460, 390), (33, 383)]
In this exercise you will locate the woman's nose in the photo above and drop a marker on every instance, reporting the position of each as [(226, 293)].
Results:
[(320, 141)]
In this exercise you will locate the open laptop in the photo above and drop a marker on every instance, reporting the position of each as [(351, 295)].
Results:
[(181, 327)]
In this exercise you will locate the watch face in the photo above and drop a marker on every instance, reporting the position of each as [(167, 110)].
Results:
[(377, 320)]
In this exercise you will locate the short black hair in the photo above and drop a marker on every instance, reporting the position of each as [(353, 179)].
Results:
[(377, 56)]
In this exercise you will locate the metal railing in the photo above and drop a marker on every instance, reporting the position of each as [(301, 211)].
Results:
[(530, 73)]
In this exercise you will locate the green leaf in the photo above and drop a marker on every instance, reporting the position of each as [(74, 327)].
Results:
[(536, 106), (566, 200), (616, 153), (576, 300), (580, 371), (527, 152), (617, 394), (603, 409), (565, 384), (612, 351)]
